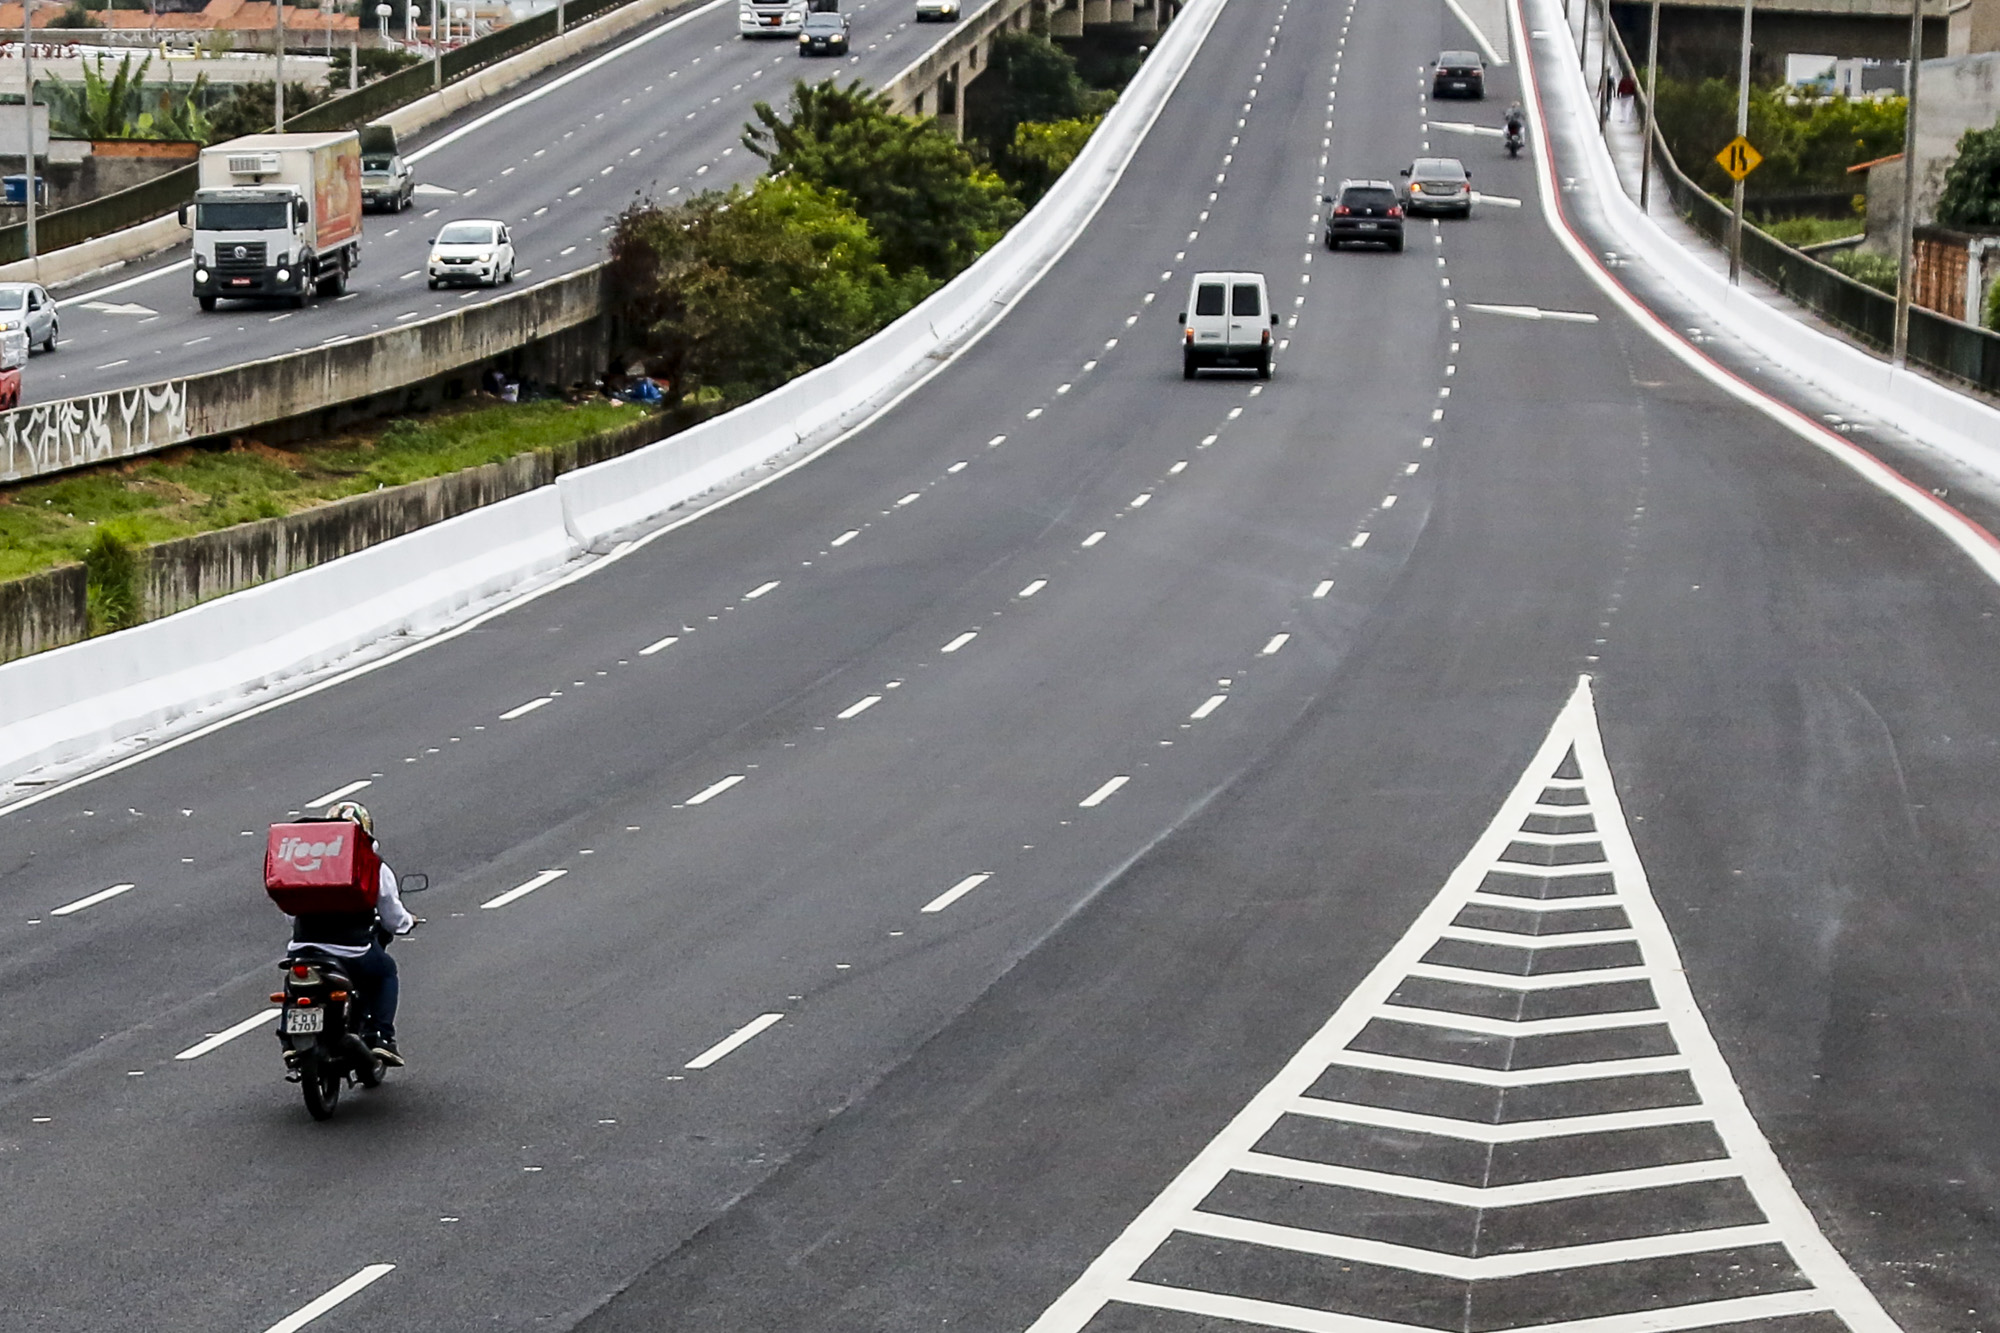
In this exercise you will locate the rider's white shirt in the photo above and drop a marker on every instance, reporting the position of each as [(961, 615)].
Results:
[(388, 906)]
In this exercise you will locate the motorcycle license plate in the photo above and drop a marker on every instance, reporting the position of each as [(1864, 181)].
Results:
[(305, 1020)]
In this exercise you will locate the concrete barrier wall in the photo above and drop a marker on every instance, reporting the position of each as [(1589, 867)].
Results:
[(42, 611), (78, 432), (66, 704)]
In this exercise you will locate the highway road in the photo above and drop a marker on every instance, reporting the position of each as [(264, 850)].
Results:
[(1484, 831), (658, 114)]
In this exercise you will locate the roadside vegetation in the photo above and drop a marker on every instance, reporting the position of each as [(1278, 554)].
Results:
[(184, 491), (1971, 196), (1812, 231), (1807, 145)]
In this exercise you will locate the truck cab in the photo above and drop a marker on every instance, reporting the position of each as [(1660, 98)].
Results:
[(388, 182), (277, 215), (770, 18)]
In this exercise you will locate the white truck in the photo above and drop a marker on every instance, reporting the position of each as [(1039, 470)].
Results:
[(277, 215), (770, 18)]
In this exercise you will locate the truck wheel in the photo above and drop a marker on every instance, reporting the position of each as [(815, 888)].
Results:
[(1264, 365), (1187, 367), (207, 302), (297, 300), (434, 284), (335, 283)]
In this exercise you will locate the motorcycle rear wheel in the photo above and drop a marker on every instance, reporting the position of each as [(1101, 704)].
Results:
[(320, 1082)]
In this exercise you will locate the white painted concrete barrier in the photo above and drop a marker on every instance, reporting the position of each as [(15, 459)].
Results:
[(74, 702), (1959, 424)]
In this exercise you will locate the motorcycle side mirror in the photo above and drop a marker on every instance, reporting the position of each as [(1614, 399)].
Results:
[(413, 883)]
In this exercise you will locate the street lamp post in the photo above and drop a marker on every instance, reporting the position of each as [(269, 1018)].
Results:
[(278, 84), (28, 105), (1742, 131), (1652, 90), (438, 20), (1899, 351)]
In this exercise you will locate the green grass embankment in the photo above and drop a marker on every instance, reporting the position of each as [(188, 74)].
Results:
[(188, 490)]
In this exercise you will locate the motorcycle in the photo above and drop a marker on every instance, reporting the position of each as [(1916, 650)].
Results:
[(1515, 140), (320, 1026)]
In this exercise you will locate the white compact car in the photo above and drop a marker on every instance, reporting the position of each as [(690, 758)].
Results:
[(944, 11), (477, 250), (28, 308), (1227, 324)]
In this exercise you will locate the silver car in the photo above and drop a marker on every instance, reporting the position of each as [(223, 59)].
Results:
[(1438, 185), (27, 307)]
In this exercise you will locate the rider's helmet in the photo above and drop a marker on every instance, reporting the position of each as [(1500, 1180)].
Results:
[(353, 812)]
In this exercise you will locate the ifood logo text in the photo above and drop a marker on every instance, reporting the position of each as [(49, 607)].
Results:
[(308, 856)]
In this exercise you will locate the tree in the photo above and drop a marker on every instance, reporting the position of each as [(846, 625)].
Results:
[(1971, 195), (101, 108), (1027, 78), (928, 203), (745, 290), (76, 16), (253, 110), (1807, 145), (1041, 152)]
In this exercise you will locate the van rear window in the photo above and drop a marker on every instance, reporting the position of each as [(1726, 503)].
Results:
[(1243, 301), (1208, 299)]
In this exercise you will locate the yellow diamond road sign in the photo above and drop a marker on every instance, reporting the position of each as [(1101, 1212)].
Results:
[(1739, 159)]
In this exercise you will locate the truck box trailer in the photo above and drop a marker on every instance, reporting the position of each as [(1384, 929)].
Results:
[(277, 215)]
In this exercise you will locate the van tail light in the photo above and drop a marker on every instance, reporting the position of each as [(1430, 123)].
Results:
[(1190, 336), (1267, 337)]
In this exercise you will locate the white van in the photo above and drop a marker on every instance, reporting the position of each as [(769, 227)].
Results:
[(1228, 323)]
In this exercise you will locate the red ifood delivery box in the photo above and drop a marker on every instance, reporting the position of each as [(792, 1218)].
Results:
[(321, 866)]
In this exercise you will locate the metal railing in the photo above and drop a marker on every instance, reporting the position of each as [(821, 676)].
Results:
[(163, 194), (1946, 347)]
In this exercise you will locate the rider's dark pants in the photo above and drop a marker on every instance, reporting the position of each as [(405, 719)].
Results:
[(375, 972)]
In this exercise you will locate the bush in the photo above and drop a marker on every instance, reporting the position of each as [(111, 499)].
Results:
[(1810, 231), (1971, 195), (1028, 78), (76, 16), (1993, 307), (1807, 146), (376, 63), (1878, 271), (254, 110), (111, 582), (745, 290), (929, 205), (1042, 151)]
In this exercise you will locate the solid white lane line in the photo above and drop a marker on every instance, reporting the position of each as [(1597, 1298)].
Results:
[(92, 900), (1534, 1076), (1093, 539), (338, 792), (1253, 1312), (227, 1035), (1033, 588), (859, 707), (1209, 705), (523, 890), (1482, 1131), (1277, 641), (525, 708), (733, 1040), (1472, 976), (1534, 312), (658, 644), (960, 641), (956, 891), (1099, 796), (1487, 1196), (1520, 1027), (1325, 587), (713, 790), (1360, 540), (292, 1323), (759, 590), (1515, 939), (845, 537)]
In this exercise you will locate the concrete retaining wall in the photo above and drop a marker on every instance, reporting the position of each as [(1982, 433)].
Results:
[(42, 611)]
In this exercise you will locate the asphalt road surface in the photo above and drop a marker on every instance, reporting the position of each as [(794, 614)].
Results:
[(1483, 831), (657, 114)]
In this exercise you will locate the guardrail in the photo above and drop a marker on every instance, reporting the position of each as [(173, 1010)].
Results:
[(163, 194), (1947, 347)]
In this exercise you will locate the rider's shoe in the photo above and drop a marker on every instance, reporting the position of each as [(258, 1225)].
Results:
[(384, 1049)]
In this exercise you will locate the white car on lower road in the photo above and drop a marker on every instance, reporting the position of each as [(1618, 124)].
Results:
[(476, 250), (28, 308), (945, 11)]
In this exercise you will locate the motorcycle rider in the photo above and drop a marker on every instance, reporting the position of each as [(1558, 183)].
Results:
[(1517, 122), (359, 938)]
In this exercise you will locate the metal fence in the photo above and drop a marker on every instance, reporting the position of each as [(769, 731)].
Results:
[(163, 194), (1946, 347)]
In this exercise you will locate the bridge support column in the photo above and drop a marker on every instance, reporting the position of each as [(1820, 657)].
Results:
[(1068, 20), (1121, 11), (1096, 11), (945, 95)]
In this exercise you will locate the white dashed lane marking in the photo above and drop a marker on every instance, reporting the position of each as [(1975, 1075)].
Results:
[(1519, 1117), (338, 793), (541, 880), (734, 1040), (93, 899), (306, 1314)]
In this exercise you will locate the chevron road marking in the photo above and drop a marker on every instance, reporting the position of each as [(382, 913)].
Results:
[(1503, 1127)]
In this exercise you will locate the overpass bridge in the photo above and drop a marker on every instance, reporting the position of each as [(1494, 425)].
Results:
[(1700, 37)]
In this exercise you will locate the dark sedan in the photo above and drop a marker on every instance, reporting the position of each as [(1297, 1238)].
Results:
[(824, 35), (1459, 74), (1365, 211)]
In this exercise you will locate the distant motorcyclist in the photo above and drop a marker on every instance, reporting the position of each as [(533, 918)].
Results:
[(359, 939), (1517, 120)]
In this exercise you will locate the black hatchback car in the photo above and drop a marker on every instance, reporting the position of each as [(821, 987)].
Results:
[(824, 34), (1365, 211), (1459, 74)]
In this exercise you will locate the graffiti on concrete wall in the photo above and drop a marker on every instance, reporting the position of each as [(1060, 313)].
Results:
[(74, 432)]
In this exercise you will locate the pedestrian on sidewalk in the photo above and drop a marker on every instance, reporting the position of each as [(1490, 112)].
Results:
[(1628, 98)]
